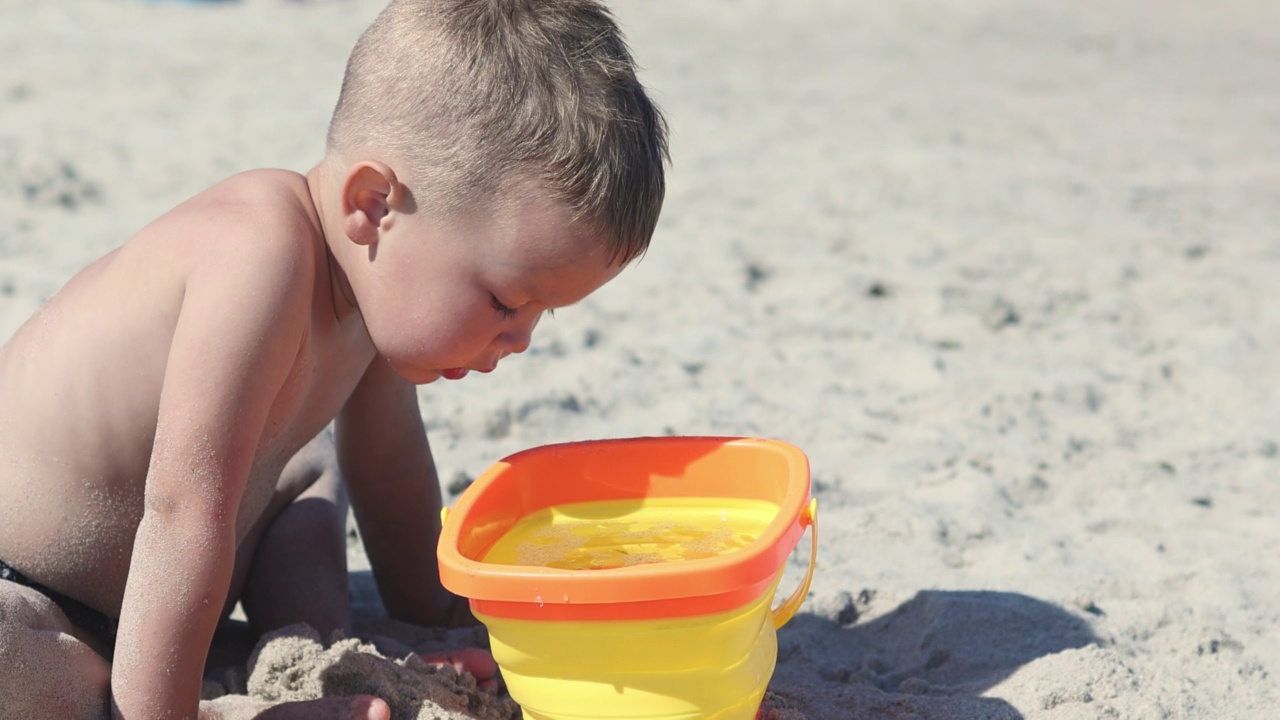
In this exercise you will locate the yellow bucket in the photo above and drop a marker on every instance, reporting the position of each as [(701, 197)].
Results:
[(633, 578)]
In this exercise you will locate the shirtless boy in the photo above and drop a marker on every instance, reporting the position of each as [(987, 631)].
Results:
[(162, 418)]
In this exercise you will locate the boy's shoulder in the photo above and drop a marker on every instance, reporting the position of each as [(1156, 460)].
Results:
[(252, 212), (264, 194), (266, 180), (251, 232)]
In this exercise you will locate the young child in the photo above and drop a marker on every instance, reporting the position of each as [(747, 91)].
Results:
[(163, 451)]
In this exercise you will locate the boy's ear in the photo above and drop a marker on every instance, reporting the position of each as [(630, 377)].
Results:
[(370, 191)]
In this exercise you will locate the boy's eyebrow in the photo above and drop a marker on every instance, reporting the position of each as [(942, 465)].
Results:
[(535, 294)]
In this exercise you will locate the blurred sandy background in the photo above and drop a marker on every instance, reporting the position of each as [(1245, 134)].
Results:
[(1007, 270)]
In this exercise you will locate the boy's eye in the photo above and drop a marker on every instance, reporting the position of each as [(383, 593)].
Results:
[(503, 310)]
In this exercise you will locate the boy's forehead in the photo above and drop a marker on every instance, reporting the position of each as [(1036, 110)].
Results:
[(548, 229), (557, 266), (568, 287)]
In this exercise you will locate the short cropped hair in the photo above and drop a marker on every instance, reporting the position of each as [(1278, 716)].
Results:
[(474, 94)]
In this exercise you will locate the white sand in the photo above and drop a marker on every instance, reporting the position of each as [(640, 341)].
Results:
[(1006, 270)]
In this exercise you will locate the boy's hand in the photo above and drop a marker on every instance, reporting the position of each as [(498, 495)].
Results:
[(479, 663)]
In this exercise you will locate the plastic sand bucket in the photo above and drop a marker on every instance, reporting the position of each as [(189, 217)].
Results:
[(633, 578)]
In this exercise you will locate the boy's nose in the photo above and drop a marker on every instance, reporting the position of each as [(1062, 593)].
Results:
[(516, 339), (514, 343)]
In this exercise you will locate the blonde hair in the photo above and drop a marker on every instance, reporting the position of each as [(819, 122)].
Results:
[(473, 94)]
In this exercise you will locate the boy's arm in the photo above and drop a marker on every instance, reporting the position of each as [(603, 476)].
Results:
[(395, 494), (235, 339)]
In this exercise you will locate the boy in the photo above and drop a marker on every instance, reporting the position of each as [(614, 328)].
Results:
[(161, 418)]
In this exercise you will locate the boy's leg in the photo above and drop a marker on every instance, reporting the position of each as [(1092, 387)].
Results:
[(296, 564), (45, 670), (291, 567)]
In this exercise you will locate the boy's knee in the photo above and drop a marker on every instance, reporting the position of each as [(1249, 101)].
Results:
[(313, 470)]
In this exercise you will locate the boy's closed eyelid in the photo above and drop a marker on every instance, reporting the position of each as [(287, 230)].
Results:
[(504, 310)]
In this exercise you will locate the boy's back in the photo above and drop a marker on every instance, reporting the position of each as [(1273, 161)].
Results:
[(81, 382)]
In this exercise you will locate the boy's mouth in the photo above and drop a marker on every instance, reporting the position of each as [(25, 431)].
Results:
[(453, 373)]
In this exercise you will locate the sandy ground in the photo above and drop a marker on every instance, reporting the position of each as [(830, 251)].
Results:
[(1005, 269)]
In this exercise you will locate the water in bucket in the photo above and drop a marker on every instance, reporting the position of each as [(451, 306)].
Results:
[(620, 533)]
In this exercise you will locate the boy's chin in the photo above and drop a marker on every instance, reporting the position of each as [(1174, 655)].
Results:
[(416, 376), (425, 376), (428, 377)]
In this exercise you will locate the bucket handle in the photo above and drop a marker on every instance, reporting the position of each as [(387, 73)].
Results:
[(784, 612)]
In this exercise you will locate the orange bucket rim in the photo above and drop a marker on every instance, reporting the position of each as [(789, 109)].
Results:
[(706, 577)]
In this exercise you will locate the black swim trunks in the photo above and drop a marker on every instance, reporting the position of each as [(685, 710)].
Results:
[(81, 615)]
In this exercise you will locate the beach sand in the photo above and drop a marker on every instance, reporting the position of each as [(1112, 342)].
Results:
[(1006, 270)]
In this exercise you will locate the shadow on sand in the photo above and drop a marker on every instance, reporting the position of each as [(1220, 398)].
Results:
[(928, 659)]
